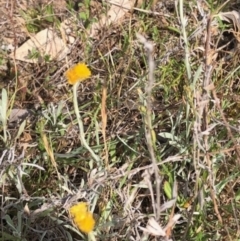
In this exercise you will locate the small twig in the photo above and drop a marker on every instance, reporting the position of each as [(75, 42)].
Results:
[(138, 9), (10, 15), (104, 122), (149, 132), (205, 98)]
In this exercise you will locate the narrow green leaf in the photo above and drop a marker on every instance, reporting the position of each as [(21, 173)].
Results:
[(167, 189)]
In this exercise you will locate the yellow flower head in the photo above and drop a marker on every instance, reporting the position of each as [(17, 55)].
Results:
[(82, 217), (78, 72)]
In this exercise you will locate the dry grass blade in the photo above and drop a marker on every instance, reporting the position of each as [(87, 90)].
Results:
[(104, 122), (149, 132), (50, 153)]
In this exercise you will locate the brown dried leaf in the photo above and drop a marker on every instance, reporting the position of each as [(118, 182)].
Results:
[(154, 228), (115, 14), (46, 42), (234, 16), (18, 115)]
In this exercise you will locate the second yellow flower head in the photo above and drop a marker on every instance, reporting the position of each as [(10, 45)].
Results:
[(78, 72), (82, 217)]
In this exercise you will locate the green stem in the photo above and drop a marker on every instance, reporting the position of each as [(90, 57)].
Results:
[(80, 124), (91, 237)]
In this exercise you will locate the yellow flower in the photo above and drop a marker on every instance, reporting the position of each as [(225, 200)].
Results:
[(78, 72), (86, 225), (82, 217), (79, 210)]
